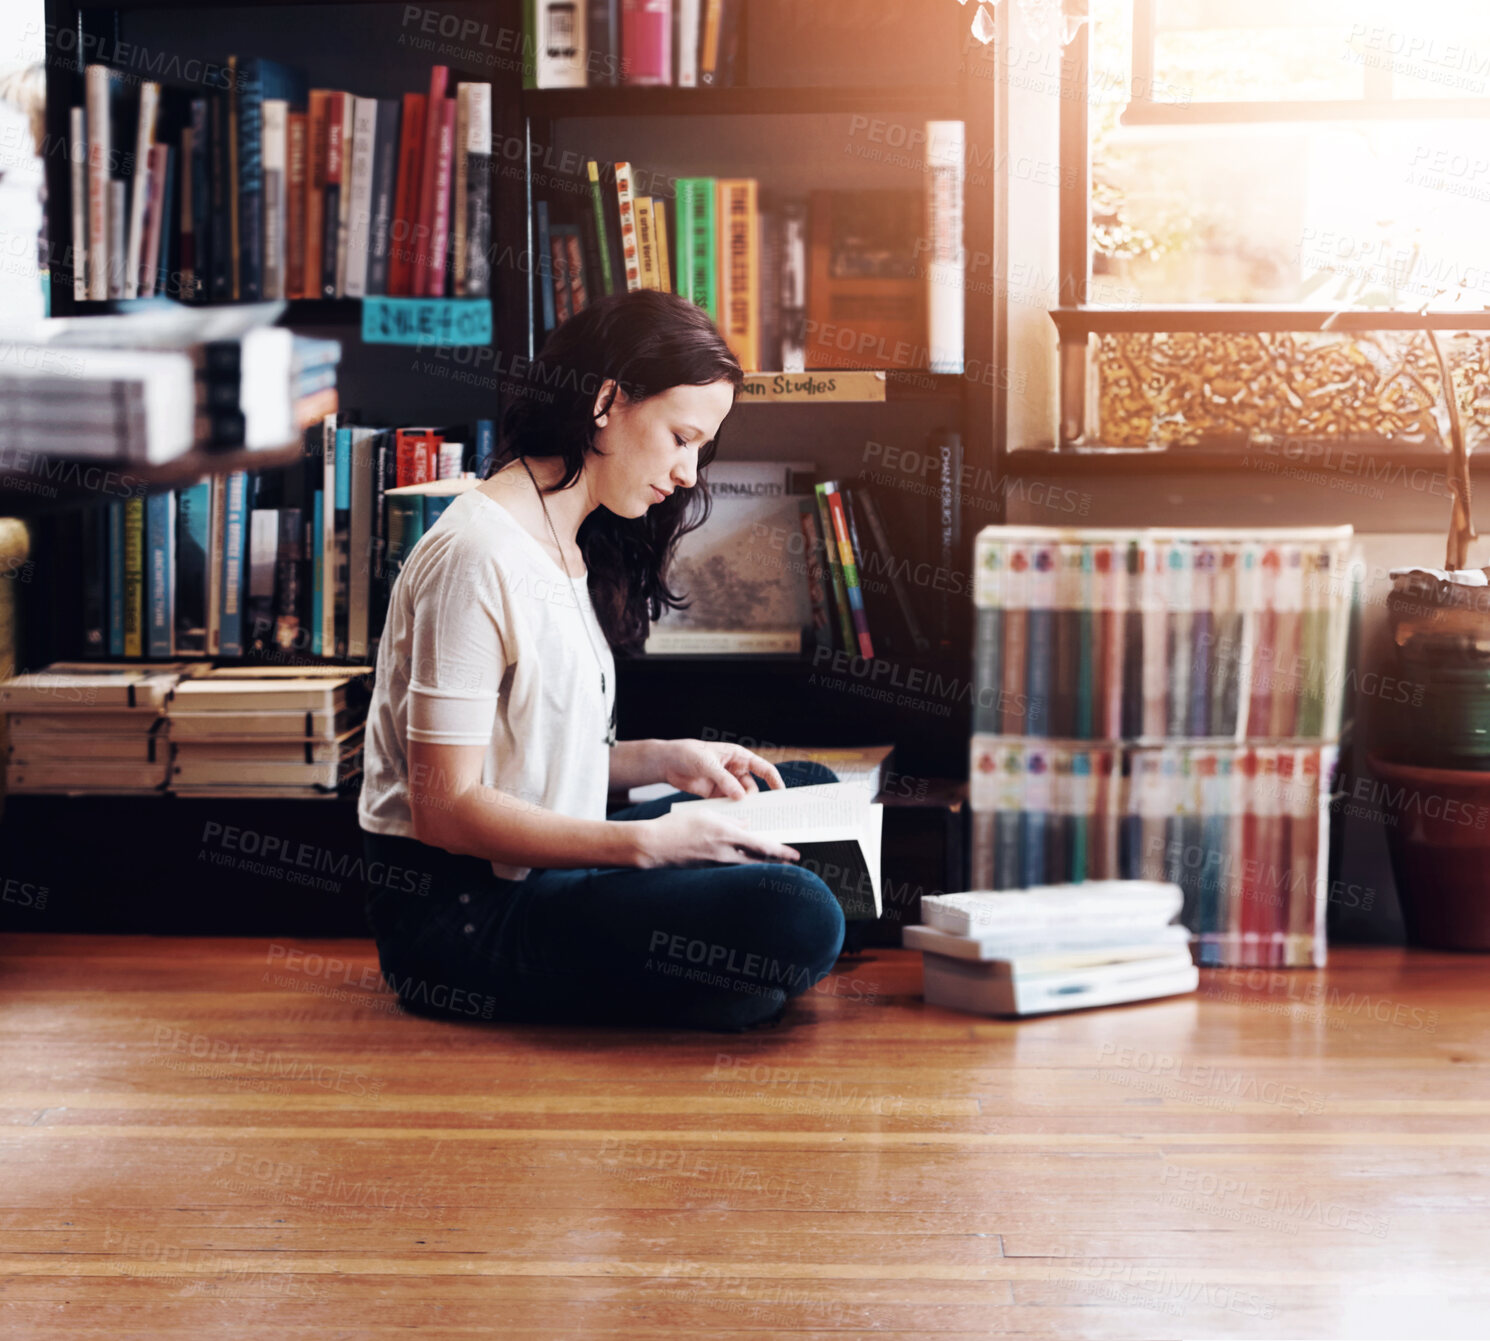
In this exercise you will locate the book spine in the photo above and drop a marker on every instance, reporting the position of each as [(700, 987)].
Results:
[(560, 44), (662, 235), (318, 576), (96, 582), (945, 156), (234, 143), (705, 247), (1039, 641), (687, 55), (340, 567), (118, 227), (406, 196), (139, 194), (193, 512), (435, 278), (344, 197), (96, 82), (683, 194), (329, 489), (331, 206), (235, 539), (835, 568), (486, 446), (597, 207), (359, 217), (155, 205), (816, 573), (317, 127), (578, 295), (461, 178), (160, 530), (625, 206), (297, 165), (602, 41), (77, 161), (134, 576), (263, 562), (115, 578), (739, 270), (274, 228), (384, 186), (712, 12), (434, 123), (855, 596), (645, 244), (646, 41), (545, 267), (559, 269), (919, 641), (216, 524)]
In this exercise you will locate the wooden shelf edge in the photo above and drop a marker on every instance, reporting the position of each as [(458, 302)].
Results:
[(936, 101), (1125, 461)]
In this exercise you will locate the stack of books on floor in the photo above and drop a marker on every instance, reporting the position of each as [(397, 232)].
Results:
[(151, 386), (788, 563), (1059, 947), (269, 189), (80, 729), (1164, 705), (269, 732), (828, 279)]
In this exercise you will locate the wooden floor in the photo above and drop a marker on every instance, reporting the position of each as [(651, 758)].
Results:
[(239, 1138)]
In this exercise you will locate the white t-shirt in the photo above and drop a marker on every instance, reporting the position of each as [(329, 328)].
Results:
[(485, 644)]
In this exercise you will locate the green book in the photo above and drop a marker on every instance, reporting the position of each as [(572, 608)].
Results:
[(597, 203), (697, 243), (134, 577)]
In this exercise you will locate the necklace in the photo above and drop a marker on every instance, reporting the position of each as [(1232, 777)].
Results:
[(610, 734)]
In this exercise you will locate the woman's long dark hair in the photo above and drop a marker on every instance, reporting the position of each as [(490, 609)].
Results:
[(647, 341)]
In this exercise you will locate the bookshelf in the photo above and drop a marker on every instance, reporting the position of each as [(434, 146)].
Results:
[(810, 78)]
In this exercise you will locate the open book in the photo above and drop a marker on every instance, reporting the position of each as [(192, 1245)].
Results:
[(835, 827)]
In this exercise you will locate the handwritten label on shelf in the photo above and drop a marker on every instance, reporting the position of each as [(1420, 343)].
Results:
[(857, 384), (426, 321)]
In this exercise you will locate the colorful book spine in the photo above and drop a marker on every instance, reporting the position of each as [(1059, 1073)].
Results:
[(861, 640), (234, 556), (835, 570), (160, 550), (134, 577), (429, 169)]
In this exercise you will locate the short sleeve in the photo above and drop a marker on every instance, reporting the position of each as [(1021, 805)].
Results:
[(460, 645)]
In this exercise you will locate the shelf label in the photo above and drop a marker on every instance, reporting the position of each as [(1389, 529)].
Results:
[(426, 321), (858, 384)]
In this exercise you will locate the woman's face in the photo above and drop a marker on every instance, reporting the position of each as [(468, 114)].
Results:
[(652, 445)]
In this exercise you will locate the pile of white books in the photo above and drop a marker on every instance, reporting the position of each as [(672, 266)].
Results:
[(1058, 947), (281, 731), (82, 729)]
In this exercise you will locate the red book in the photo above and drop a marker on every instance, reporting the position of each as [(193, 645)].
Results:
[(155, 205), (296, 165), (434, 275), (646, 41), (336, 154), (578, 296), (429, 163), (406, 196), (416, 455)]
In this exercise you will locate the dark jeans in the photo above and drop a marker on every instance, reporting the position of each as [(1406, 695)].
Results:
[(715, 947)]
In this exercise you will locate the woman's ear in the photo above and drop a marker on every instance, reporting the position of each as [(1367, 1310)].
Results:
[(609, 393)]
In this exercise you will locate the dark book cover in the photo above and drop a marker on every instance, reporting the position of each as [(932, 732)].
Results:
[(289, 581), (95, 562), (257, 79), (477, 281), (193, 509), (603, 37), (219, 257), (199, 263), (384, 184)]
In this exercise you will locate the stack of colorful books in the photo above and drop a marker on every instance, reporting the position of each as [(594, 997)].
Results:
[(1164, 705)]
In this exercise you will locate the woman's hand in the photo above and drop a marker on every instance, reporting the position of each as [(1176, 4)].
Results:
[(714, 768), (690, 834)]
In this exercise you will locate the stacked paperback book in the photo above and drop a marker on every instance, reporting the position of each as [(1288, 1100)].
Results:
[(1060, 947), (1164, 705), (86, 730), (82, 729), (152, 386), (827, 279), (267, 189), (281, 731)]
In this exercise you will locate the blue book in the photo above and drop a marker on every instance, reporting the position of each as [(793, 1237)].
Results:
[(234, 553), (160, 574), (116, 578), (486, 445), (193, 540), (434, 507), (545, 267), (256, 80), (318, 576)]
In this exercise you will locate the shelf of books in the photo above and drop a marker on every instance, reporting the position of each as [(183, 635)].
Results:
[(1164, 705)]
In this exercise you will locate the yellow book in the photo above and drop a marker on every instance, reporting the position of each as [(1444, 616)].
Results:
[(134, 576), (659, 240), (738, 280), (646, 242)]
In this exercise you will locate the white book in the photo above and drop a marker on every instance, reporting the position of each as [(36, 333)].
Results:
[(945, 155), (1060, 950), (191, 772), (562, 57), (1137, 906), (144, 138), (77, 126), (204, 753), (97, 97), (265, 725), (312, 694), (276, 133), (88, 779), (957, 984), (359, 193), (688, 16), (52, 747), (108, 721), (475, 153), (834, 827), (344, 199), (71, 686)]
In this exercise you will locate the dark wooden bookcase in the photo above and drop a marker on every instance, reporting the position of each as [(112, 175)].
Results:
[(823, 93)]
